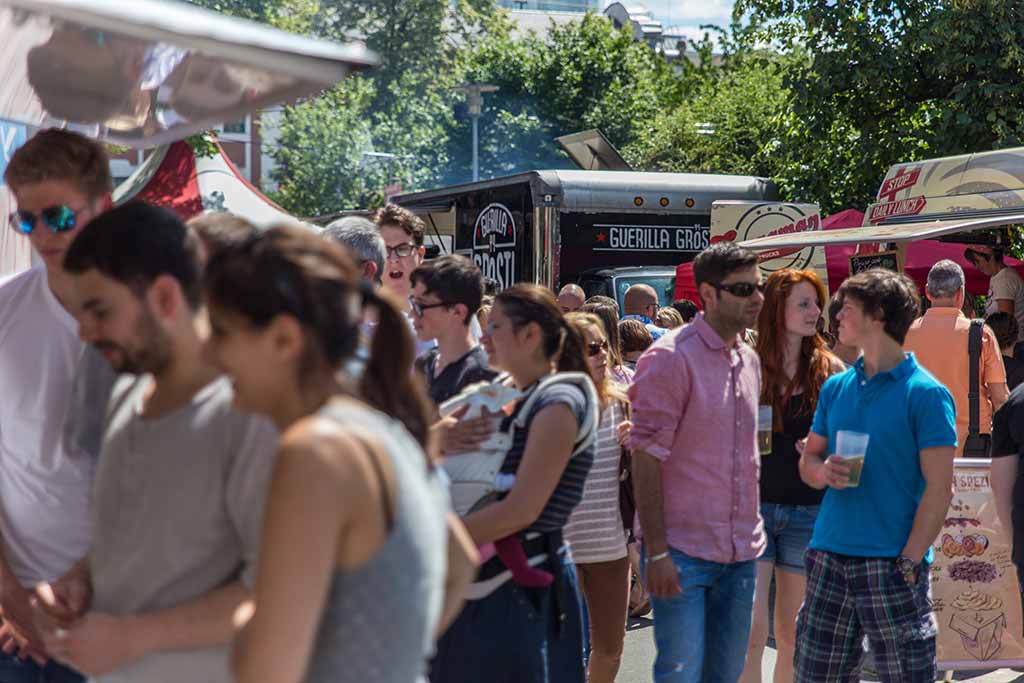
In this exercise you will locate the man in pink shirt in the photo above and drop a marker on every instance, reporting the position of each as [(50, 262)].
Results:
[(695, 468)]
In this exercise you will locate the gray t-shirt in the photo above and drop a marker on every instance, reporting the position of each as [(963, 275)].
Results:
[(178, 512)]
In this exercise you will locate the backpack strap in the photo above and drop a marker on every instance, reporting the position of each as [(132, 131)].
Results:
[(586, 435), (973, 388)]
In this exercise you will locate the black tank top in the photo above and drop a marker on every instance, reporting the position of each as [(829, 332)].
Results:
[(780, 472)]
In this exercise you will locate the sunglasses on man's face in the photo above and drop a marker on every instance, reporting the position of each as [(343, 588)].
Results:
[(596, 347), (59, 218), (741, 289)]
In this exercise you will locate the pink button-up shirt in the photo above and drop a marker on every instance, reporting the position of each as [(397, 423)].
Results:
[(695, 409)]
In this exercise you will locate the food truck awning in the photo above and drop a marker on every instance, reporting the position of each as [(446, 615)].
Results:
[(902, 232), (149, 72)]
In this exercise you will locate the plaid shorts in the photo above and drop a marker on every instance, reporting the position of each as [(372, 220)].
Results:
[(850, 597)]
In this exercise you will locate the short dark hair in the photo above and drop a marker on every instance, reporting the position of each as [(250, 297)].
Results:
[(400, 217), (219, 230), (634, 336), (1004, 326), (454, 279), (137, 243), (686, 308), (887, 296), (715, 263)]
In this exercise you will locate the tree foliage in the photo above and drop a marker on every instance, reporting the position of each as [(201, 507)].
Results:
[(582, 75), (886, 81)]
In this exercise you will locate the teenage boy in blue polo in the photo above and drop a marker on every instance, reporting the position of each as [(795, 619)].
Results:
[(867, 564)]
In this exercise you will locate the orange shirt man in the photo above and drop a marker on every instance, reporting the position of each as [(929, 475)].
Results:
[(939, 340)]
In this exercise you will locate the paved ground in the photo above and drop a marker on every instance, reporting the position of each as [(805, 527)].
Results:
[(639, 656)]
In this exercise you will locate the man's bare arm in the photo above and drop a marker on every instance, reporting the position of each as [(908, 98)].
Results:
[(1002, 477), (937, 468)]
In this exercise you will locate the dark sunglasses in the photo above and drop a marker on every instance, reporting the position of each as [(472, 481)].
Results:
[(58, 218), (741, 289), (594, 348), (419, 308)]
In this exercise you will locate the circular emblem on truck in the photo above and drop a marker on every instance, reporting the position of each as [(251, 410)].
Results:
[(494, 244), (779, 219)]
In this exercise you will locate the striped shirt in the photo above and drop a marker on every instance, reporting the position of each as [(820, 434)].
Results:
[(570, 487), (595, 531)]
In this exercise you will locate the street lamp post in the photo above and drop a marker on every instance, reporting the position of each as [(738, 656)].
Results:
[(475, 100)]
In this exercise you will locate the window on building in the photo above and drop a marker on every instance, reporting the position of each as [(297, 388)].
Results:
[(237, 127)]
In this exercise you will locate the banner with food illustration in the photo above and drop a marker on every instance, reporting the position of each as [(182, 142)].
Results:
[(974, 583)]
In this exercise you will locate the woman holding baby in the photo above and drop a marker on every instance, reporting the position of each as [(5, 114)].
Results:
[(506, 631)]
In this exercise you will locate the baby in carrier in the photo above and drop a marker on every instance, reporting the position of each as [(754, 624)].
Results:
[(476, 477)]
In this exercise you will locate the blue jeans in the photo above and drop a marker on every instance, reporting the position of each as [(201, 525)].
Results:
[(13, 670), (702, 634)]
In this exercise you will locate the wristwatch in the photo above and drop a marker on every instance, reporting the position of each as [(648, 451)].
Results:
[(908, 568)]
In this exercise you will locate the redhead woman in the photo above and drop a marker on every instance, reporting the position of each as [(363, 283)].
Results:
[(795, 362)]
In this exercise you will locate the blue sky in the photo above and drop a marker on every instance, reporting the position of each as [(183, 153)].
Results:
[(689, 14)]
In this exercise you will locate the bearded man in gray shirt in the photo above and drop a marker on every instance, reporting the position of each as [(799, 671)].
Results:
[(181, 479)]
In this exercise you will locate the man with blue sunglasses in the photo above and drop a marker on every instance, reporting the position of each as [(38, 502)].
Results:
[(60, 181)]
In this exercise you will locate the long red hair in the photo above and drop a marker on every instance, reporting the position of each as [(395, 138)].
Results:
[(815, 362)]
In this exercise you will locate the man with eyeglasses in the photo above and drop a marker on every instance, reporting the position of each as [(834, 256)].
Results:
[(640, 302), (61, 181), (445, 297), (695, 398), (402, 231)]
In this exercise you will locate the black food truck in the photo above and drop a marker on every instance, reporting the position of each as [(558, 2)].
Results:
[(556, 227)]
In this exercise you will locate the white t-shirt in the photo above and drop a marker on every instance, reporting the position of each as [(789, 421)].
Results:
[(1006, 284), (45, 479)]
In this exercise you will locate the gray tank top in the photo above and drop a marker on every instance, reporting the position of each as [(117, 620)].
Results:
[(378, 620)]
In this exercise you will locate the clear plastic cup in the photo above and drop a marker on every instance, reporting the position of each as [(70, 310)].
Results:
[(851, 447)]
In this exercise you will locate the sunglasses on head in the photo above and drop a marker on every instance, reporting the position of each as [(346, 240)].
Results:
[(59, 218), (594, 348), (741, 289)]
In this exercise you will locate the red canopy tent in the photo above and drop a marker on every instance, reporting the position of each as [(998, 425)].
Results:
[(921, 256), (173, 176)]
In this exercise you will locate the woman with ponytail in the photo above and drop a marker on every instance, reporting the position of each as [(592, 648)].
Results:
[(356, 524), (509, 632)]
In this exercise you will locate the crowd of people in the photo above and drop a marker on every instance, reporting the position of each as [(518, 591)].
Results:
[(279, 455)]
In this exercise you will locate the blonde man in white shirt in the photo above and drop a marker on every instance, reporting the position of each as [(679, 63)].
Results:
[(61, 181)]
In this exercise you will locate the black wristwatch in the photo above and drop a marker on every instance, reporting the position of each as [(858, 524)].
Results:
[(908, 568)]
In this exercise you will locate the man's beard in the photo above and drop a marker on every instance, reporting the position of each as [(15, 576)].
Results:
[(150, 354)]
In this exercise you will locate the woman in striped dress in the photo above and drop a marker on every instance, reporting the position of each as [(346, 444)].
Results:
[(595, 529)]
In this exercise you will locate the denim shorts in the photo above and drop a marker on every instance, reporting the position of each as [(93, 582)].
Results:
[(788, 530)]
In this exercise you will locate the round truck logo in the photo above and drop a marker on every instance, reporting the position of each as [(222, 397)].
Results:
[(494, 244), (777, 219)]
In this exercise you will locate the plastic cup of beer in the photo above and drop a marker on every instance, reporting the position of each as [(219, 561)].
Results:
[(851, 447), (764, 430)]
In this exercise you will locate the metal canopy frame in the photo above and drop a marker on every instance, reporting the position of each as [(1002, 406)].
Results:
[(895, 233)]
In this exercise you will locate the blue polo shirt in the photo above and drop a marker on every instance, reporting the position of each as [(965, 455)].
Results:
[(904, 411)]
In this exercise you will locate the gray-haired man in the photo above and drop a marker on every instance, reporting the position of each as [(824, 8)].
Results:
[(364, 240), (939, 340)]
